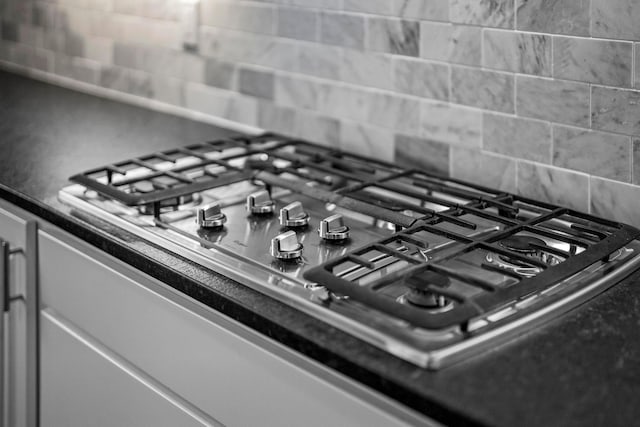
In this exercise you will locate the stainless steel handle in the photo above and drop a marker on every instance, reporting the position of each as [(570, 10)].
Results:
[(4, 276)]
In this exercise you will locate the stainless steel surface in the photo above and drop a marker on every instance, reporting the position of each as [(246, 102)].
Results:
[(293, 215), (260, 203), (239, 250), (4, 278), (210, 216), (333, 228)]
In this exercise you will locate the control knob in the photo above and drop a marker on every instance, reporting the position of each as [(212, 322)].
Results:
[(210, 216), (260, 203), (293, 215), (286, 246), (333, 228)]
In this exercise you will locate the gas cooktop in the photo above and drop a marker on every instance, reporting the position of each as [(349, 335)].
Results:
[(429, 268)]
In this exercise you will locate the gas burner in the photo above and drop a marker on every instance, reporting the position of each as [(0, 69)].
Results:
[(187, 201), (529, 246), (420, 295)]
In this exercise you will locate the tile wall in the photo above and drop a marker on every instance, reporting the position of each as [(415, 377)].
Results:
[(537, 97)]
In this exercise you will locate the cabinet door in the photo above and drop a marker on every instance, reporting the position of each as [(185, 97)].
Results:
[(217, 365), (15, 414), (13, 232), (84, 384)]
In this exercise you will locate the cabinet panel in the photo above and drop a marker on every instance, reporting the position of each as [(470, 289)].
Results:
[(15, 365), (79, 386), (228, 375)]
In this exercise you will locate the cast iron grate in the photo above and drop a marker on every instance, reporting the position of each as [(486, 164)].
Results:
[(442, 225)]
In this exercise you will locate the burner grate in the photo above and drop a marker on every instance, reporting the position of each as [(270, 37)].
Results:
[(442, 225), (585, 240)]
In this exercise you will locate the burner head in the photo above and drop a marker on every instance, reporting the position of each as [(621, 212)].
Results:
[(419, 293), (522, 244), (529, 246)]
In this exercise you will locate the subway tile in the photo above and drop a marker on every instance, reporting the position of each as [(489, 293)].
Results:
[(616, 110), (433, 10), (395, 36), (596, 153), (99, 49), (420, 153), (553, 185), (554, 100), (367, 140), (380, 7), (134, 82), (615, 200), (296, 92), (249, 17), (321, 129), (158, 9), (554, 16), (168, 89), (276, 118), (487, 13), (616, 19), (76, 68), (367, 68), (483, 89), (517, 137), (346, 102), (29, 35), (594, 61), (425, 79), (394, 112), (636, 161), (9, 31), (452, 124), (485, 169), (219, 73), (221, 103), (342, 30), (298, 23), (258, 83), (460, 44), (318, 4), (320, 61), (152, 59), (517, 52)]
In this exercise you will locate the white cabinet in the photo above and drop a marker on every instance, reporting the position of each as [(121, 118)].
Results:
[(18, 307), (182, 356), (83, 384)]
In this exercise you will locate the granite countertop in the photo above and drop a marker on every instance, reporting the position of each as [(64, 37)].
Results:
[(583, 368)]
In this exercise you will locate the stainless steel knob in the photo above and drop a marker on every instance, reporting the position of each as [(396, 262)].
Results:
[(333, 228), (286, 246), (260, 203), (293, 215), (210, 216)]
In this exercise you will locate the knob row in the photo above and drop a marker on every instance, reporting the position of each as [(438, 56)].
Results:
[(293, 215)]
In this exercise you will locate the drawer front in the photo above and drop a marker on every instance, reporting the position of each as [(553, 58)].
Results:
[(12, 228), (82, 386), (231, 376)]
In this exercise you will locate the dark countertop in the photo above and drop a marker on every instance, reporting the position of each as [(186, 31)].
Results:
[(581, 369)]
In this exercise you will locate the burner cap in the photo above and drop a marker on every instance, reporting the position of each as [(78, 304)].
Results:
[(421, 296), (522, 244)]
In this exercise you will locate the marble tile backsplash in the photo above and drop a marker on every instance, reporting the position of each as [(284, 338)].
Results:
[(536, 97)]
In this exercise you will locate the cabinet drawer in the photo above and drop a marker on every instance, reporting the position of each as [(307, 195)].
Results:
[(81, 386), (216, 364), (14, 228)]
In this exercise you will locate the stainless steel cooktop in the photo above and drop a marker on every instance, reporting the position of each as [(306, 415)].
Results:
[(429, 268)]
